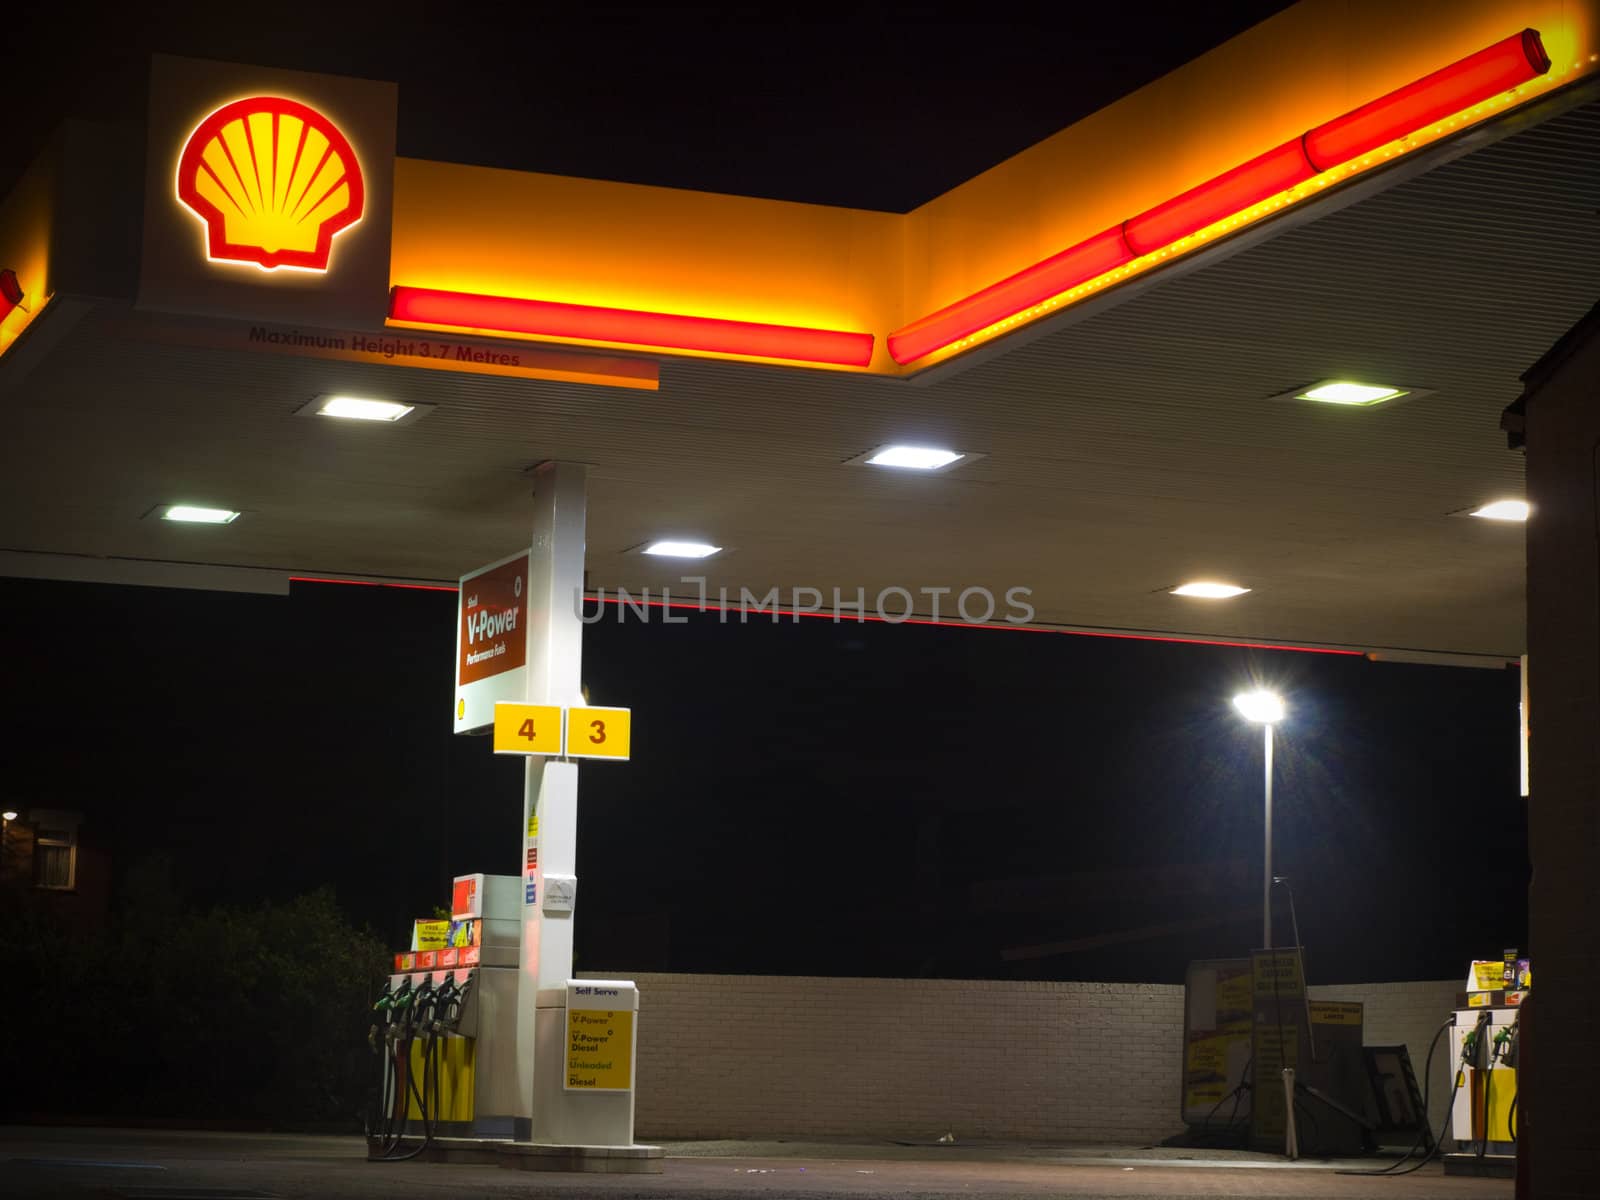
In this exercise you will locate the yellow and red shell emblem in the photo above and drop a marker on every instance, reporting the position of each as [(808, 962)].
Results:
[(274, 180)]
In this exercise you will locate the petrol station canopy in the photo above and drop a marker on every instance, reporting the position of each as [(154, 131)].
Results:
[(1112, 327)]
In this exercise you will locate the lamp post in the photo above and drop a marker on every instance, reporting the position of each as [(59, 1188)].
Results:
[(5, 828), (1265, 709)]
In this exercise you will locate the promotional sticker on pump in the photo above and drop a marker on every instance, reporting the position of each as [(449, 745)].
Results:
[(466, 897), (429, 934)]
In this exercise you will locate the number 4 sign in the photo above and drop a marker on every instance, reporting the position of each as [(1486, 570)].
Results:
[(526, 728)]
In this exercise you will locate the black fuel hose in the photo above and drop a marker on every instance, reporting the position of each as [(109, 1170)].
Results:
[(1422, 1133)]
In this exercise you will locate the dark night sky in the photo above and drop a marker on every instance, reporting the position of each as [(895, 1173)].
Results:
[(874, 106), (805, 798)]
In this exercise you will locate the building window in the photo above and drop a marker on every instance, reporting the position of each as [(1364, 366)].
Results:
[(55, 858)]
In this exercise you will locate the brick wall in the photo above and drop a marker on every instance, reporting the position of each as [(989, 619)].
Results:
[(741, 1055)]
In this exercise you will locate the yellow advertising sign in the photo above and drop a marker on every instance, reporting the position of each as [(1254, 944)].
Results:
[(1486, 976), (430, 935), (1233, 994), (1331, 1012), (1206, 1071), (597, 732), (1277, 973), (599, 1049), (1275, 1049), (527, 728)]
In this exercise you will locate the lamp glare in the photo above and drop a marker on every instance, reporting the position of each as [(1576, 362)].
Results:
[(1503, 510), (354, 408), (915, 458), (195, 515), (1206, 589), (1260, 706), (681, 549)]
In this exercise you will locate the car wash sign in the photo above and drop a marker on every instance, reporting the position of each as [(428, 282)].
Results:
[(491, 640)]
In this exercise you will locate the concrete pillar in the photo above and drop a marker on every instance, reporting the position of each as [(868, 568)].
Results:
[(1557, 1112), (550, 798)]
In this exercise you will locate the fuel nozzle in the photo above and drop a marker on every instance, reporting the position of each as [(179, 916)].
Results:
[(1475, 1045), (445, 1006), (380, 1015), (422, 1004), (1506, 1044), (399, 1010)]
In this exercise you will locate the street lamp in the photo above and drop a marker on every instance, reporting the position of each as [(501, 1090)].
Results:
[(1265, 709)]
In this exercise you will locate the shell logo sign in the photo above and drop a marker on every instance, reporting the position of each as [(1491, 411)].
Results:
[(274, 181)]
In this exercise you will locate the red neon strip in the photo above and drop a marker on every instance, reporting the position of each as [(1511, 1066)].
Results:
[(1478, 77), (10, 292), (1487, 73), (416, 587), (1029, 286), (1232, 191), (622, 326), (695, 606)]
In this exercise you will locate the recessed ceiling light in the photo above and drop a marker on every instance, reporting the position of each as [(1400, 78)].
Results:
[(1207, 589), (681, 549), (361, 408), (195, 515), (356, 409), (1348, 392), (1503, 510), (915, 458)]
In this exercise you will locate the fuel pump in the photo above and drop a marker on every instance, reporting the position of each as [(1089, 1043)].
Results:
[(445, 1028), (1510, 1052), (1483, 1108), (1477, 1061), (389, 1018), (418, 1015)]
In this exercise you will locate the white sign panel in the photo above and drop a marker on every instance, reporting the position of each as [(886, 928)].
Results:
[(491, 640), (560, 893)]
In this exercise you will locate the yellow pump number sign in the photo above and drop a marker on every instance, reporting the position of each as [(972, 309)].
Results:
[(527, 728), (598, 733)]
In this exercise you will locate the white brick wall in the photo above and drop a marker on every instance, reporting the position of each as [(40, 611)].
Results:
[(745, 1055)]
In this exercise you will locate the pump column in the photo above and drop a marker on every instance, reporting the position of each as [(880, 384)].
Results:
[(550, 792)]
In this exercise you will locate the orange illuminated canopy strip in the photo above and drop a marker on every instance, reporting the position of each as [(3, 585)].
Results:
[(1492, 70), (1096, 256), (10, 292), (1233, 191), (1478, 77), (628, 327)]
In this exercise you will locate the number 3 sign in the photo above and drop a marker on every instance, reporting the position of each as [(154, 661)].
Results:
[(599, 732)]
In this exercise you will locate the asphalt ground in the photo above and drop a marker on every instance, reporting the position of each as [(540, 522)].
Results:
[(107, 1164)]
